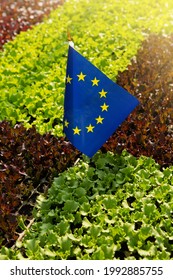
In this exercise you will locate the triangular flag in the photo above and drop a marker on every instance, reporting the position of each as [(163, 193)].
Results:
[(94, 105)]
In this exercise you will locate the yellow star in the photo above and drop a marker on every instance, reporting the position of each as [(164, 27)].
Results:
[(66, 123), (90, 128), (69, 79), (76, 130), (103, 93), (81, 77), (104, 107), (99, 119), (95, 82)]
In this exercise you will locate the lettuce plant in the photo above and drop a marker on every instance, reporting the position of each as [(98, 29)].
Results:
[(17, 16), (28, 163), (110, 207), (32, 66), (148, 130)]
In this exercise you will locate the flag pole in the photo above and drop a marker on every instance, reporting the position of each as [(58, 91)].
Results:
[(70, 39)]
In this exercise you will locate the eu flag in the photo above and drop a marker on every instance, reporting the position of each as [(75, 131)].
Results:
[(94, 105)]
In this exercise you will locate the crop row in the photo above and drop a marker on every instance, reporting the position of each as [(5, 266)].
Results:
[(32, 67), (32, 75), (28, 163), (17, 16), (148, 130), (109, 207)]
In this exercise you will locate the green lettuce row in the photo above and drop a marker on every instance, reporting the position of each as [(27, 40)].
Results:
[(108, 33), (111, 207)]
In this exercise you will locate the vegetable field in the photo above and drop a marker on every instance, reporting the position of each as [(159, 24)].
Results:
[(56, 203)]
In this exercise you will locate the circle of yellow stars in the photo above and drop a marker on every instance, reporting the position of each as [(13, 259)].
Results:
[(99, 120)]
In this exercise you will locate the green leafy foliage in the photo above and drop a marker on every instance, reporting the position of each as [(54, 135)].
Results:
[(110, 207), (28, 163), (32, 67), (113, 206), (148, 130)]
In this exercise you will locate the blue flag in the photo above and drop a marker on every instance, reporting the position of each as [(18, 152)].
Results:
[(94, 105)]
